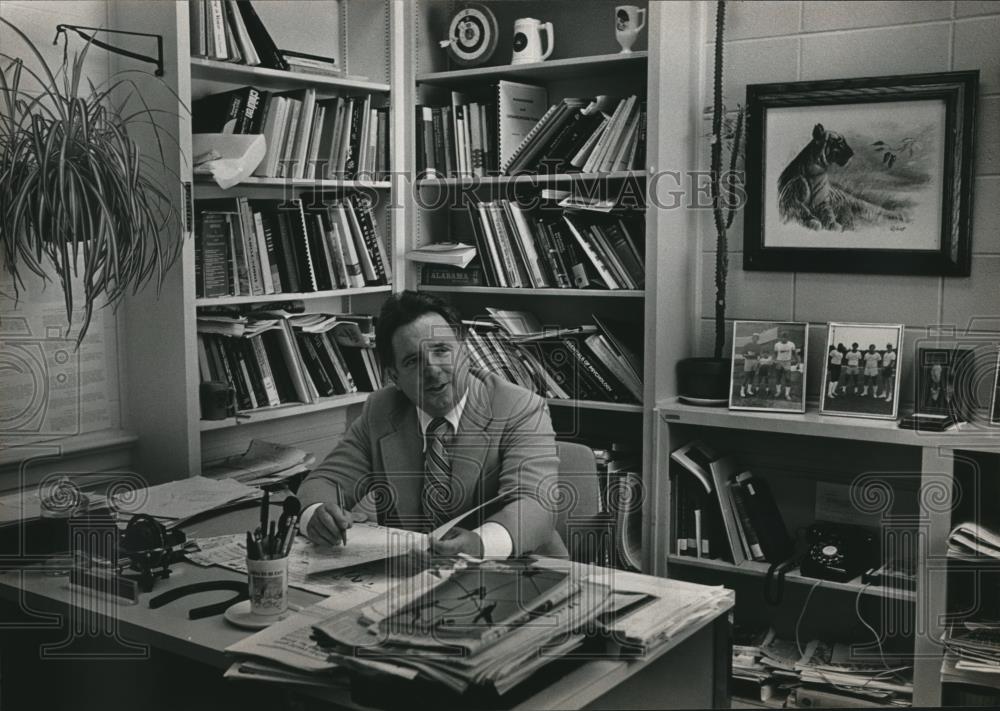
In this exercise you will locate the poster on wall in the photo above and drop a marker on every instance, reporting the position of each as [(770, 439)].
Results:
[(869, 175)]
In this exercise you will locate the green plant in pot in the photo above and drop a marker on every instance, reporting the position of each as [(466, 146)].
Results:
[(79, 202), (705, 381)]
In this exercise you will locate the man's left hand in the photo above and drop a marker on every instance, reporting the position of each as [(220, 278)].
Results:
[(458, 540)]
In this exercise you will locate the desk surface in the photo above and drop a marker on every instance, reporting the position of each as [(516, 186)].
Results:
[(168, 628)]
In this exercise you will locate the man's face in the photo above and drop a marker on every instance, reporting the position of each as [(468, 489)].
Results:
[(431, 364)]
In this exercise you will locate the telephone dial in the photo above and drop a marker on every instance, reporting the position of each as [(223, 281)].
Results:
[(839, 552)]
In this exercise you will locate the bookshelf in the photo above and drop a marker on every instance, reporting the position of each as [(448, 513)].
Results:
[(585, 63), (161, 355), (924, 476)]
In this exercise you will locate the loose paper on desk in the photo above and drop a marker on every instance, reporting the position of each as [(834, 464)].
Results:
[(351, 587), (365, 543), (289, 641), (184, 498)]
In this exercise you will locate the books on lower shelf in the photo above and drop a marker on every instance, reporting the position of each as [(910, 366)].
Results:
[(722, 511), (563, 249), (275, 358), (248, 247), (596, 362), (307, 136)]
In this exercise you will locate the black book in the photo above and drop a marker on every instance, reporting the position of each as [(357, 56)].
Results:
[(314, 365), (354, 143), (225, 112), (239, 375), (765, 516), (270, 55), (364, 212), (215, 254), (482, 249), (280, 369), (437, 128), (640, 150), (289, 259), (255, 370), (564, 369)]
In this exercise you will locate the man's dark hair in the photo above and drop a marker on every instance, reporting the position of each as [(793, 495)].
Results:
[(405, 308)]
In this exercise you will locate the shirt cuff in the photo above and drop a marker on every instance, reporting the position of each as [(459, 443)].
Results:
[(306, 516), (496, 540)]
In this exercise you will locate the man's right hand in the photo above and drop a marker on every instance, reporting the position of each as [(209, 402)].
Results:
[(328, 525)]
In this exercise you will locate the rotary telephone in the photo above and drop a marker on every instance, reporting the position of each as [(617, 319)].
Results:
[(839, 552)]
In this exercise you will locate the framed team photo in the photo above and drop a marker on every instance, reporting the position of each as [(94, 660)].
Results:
[(860, 372), (995, 405), (870, 175), (769, 366)]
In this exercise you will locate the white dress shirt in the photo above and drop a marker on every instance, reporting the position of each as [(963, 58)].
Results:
[(497, 542)]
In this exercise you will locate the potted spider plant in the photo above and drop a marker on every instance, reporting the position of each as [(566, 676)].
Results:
[(79, 202), (705, 380)]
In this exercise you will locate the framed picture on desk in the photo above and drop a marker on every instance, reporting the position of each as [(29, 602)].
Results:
[(860, 374)]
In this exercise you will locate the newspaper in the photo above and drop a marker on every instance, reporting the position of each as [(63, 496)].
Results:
[(351, 586)]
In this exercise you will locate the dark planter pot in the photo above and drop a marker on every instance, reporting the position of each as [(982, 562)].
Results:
[(704, 381)]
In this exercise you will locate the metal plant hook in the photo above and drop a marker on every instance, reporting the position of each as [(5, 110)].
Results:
[(158, 61)]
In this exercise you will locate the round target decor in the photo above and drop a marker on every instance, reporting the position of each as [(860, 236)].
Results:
[(473, 35)]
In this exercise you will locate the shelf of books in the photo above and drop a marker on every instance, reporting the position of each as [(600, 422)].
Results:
[(283, 258), (537, 173)]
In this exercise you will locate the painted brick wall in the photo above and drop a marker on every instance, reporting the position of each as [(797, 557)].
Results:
[(802, 41)]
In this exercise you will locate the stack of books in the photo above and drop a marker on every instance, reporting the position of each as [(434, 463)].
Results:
[(584, 135), (275, 358), (972, 540), (230, 31), (306, 136), (567, 249), (247, 247), (475, 134), (723, 511), (592, 362)]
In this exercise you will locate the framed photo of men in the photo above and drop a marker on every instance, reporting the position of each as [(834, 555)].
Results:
[(860, 373), (769, 366)]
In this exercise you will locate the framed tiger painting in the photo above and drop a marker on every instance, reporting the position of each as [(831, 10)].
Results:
[(871, 175)]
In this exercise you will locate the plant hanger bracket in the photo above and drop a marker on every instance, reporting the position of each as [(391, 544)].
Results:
[(158, 61)]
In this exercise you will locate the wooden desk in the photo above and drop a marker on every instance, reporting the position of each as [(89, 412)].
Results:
[(691, 671)]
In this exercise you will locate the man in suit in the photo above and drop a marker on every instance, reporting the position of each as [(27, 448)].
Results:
[(438, 441)]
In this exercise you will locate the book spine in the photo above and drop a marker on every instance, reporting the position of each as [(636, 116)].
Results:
[(274, 257), (592, 255), (511, 271), (593, 372), (739, 503), (218, 31), (314, 365), (215, 248), (437, 128), (361, 244), (262, 42), (264, 366), (447, 275), (261, 246)]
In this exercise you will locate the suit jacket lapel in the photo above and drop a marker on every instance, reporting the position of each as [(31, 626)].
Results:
[(469, 447), (403, 459)]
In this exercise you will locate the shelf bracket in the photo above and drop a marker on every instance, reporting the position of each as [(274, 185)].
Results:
[(61, 30)]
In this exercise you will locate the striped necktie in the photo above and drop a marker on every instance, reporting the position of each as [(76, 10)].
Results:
[(437, 471)]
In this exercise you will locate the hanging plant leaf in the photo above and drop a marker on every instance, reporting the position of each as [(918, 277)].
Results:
[(78, 200)]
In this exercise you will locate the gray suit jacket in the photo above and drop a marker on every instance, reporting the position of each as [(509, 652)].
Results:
[(504, 443)]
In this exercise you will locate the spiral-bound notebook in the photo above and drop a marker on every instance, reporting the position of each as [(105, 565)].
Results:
[(519, 108)]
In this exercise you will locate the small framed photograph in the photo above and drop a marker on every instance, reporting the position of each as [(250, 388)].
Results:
[(938, 371), (860, 372), (995, 405), (769, 366), (871, 175)]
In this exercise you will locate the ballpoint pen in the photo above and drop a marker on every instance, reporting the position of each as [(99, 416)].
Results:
[(343, 510), (265, 504)]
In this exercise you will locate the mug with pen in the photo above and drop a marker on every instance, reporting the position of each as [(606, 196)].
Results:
[(268, 547)]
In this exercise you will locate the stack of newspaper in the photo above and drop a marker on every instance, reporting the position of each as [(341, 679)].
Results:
[(970, 540), (820, 673), (490, 624), (975, 646), (263, 464)]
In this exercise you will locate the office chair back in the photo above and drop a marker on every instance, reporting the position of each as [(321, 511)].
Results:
[(586, 532)]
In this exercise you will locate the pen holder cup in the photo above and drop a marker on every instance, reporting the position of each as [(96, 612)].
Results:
[(268, 583)]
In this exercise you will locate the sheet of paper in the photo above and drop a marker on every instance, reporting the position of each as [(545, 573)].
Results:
[(366, 542), (185, 498), (350, 587), (236, 157)]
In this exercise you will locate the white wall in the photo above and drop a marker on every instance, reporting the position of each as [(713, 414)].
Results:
[(51, 389), (803, 41)]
